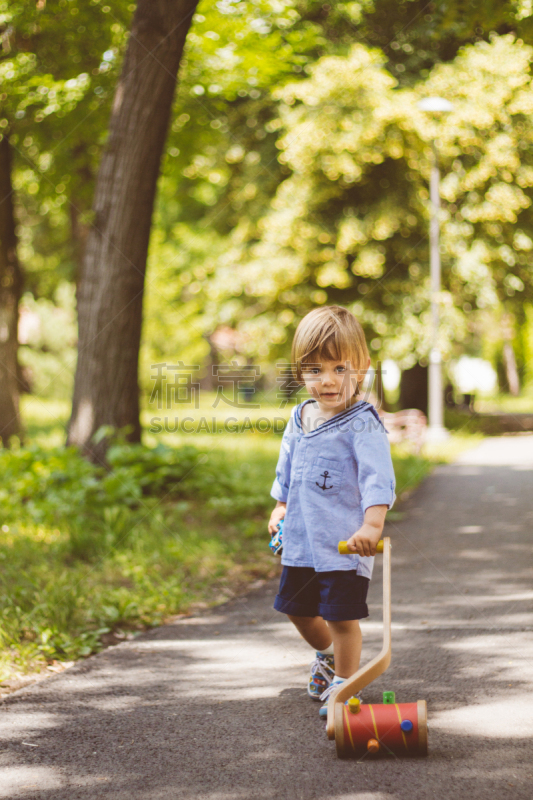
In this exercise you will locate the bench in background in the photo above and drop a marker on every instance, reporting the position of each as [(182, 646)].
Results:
[(408, 425)]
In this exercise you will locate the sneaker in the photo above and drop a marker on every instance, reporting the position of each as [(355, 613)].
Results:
[(322, 672), (323, 710)]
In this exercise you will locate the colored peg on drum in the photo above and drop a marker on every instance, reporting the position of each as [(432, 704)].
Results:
[(343, 548), (354, 705), (389, 697), (372, 746)]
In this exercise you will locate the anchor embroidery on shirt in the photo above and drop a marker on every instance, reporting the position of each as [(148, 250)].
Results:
[(324, 475)]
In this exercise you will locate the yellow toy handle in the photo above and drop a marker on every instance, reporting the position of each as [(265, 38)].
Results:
[(343, 548)]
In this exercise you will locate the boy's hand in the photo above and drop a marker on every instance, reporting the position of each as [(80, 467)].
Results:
[(277, 515), (364, 541)]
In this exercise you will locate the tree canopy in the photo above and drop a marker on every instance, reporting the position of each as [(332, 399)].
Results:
[(296, 165), (349, 224), (340, 213)]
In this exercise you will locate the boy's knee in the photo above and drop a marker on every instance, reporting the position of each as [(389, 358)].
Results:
[(302, 621)]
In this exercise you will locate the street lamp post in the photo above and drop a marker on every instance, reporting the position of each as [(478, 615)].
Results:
[(436, 430)]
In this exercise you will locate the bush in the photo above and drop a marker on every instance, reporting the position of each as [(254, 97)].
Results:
[(59, 487)]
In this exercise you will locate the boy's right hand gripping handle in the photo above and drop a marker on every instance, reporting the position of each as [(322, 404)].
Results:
[(343, 548)]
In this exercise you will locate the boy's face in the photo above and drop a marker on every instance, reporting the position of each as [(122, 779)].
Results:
[(332, 383)]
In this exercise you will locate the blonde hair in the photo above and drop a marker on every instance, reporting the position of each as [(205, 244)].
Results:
[(329, 333)]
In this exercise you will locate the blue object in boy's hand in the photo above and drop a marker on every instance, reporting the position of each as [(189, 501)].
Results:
[(276, 542)]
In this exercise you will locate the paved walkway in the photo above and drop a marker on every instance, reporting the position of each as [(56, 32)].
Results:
[(213, 707)]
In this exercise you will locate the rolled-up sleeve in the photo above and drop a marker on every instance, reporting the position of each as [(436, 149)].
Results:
[(280, 487), (375, 473)]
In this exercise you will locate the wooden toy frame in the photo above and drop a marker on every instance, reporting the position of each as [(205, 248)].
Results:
[(335, 725)]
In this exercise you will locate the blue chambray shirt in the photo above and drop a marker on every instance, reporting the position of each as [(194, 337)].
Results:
[(328, 478)]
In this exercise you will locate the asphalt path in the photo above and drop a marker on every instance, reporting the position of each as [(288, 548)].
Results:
[(213, 706)]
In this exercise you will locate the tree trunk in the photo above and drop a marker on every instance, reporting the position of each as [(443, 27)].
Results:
[(508, 323), (379, 389), (10, 290), (111, 285), (414, 388), (511, 370)]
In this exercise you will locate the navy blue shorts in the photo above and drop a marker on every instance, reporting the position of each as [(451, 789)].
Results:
[(336, 596)]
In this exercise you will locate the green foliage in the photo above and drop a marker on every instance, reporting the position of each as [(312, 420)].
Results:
[(341, 213), (58, 486), (349, 224), (85, 551), (55, 607), (414, 36), (58, 66), (221, 159), (232, 244)]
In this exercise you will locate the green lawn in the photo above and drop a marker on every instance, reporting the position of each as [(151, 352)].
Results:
[(506, 403), (89, 558)]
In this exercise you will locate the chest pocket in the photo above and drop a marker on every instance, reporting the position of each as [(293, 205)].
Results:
[(325, 476)]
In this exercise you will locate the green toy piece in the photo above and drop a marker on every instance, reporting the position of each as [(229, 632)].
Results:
[(389, 697)]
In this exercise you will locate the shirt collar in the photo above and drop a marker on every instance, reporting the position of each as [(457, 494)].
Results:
[(342, 416)]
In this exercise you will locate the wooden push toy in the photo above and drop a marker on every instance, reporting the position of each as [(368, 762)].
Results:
[(386, 728)]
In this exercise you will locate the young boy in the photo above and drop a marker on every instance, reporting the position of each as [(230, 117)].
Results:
[(334, 480)]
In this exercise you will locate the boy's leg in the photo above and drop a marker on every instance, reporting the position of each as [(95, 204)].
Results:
[(343, 604), (314, 630), (299, 598), (347, 641)]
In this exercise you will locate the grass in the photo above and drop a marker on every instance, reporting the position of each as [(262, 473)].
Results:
[(507, 403), (88, 559), (44, 420), (172, 556), (485, 420)]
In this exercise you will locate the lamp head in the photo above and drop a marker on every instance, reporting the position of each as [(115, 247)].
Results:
[(435, 104)]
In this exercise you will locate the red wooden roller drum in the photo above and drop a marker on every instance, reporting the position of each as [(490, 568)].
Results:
[(382, 724)]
